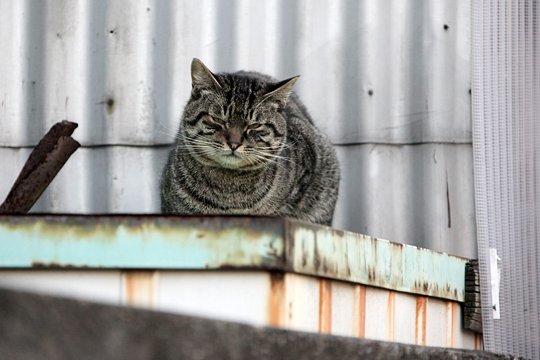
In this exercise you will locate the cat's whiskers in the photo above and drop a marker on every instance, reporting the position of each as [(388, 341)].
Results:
[(202, 143), (197, 140), (276, 157), (260, 159), (255, 159), (165, 130)]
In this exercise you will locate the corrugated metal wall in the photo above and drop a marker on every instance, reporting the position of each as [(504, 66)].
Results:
[(388, 81)]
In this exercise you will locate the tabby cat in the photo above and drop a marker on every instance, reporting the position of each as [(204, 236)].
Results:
[(246, 145)]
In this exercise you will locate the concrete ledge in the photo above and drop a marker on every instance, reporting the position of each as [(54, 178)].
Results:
[(43, 327)]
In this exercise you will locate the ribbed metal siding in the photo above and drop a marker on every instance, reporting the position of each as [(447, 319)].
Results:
[(388, 81), (506, 114)]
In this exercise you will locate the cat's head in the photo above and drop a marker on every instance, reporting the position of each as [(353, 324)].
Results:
[(235, 120)]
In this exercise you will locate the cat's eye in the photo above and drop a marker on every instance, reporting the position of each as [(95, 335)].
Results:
[(255, 129), (212, 123), (256, 133)]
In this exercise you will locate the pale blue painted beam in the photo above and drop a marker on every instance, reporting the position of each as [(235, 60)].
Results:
[(139, 242)]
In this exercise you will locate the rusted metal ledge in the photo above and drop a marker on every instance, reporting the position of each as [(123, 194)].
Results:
[(168, 242)]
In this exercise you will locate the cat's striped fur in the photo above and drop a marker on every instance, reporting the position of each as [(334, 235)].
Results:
[(246, 145)]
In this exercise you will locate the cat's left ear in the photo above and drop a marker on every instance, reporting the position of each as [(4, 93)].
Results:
[(281, 92), (202, 77)]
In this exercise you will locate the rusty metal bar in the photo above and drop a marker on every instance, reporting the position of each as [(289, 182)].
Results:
[(45, 161)]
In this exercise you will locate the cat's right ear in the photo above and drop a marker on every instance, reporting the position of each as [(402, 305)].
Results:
[(202, 78)]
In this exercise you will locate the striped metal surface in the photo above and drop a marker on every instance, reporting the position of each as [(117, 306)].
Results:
[(506, 114), (388, 81)]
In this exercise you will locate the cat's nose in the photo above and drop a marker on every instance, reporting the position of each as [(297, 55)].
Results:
[(234, 145), (234, 138)]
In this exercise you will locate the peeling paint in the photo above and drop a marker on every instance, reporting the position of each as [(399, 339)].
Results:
[(358, 258)]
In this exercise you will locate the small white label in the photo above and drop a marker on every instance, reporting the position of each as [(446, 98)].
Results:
[(495, 282)]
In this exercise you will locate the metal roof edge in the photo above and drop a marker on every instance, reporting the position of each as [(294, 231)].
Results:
[(342, 255), (232, 242)]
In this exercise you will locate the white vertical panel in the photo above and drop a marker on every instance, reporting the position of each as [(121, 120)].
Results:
[(464, 339), (405, 318), (437, 323), (377, 314), (234, 296), (100, 286), (302, 302), (343, 321)]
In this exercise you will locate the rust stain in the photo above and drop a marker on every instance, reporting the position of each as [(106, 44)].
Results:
[(55, 265), (84, 226), (450, 324), (57, 226), (139, 287), (360, 310), (110, 105), (390, 311), (316, 256), (454, 322), (277, 306), (325, 306), (421, 320), (371, 274), (232, 267), (478, 342)]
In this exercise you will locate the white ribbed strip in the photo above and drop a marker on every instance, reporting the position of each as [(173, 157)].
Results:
[(505, 106)]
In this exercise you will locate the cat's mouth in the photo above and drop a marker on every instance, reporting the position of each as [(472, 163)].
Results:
[(232, 160)]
